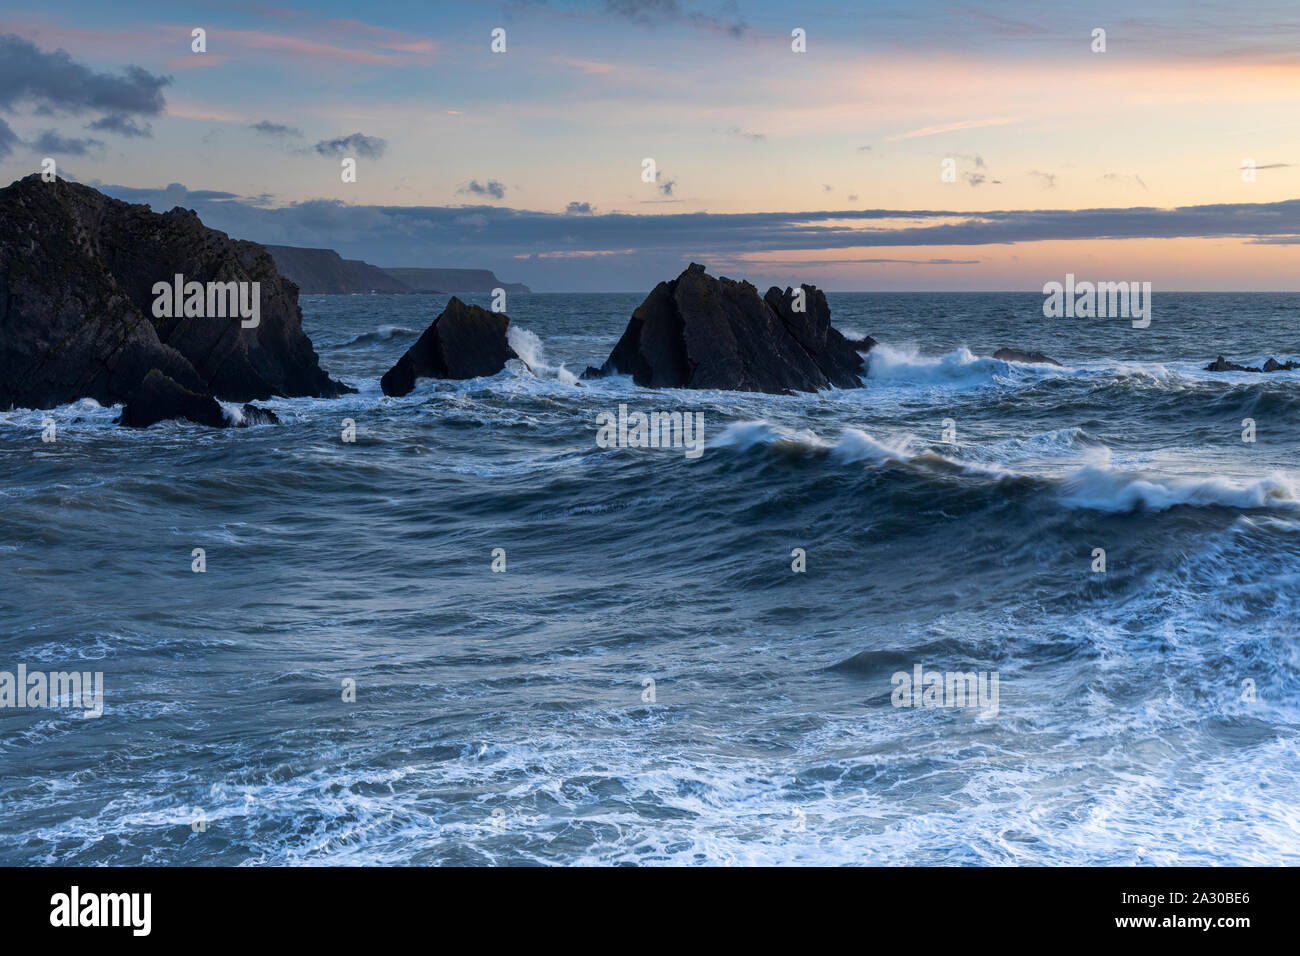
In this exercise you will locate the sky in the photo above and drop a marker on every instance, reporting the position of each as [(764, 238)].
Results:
[(909, 146)]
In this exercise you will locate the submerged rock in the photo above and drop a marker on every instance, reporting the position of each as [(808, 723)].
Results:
[(465, 341), (697, 331), (77, 277), (1221, 364), (1027, 358)]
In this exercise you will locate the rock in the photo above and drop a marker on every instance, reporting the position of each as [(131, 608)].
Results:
[(1273, 365), (77, 271), (160, 398), (465, 341), (1027, 358), (862, 345), (1223, 365), (697, 331), (256, 415)]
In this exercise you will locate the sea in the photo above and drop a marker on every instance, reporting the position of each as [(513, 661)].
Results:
[(460, 628)]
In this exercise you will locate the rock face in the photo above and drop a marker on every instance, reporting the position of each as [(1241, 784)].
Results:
[(465, 341), (696, 331), (1028, 358), (1221, 364), (77, 272)]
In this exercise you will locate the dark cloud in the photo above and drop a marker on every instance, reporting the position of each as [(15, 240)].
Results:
[(368, 147), (864, 149), (666, 187), (123, 125), (745, 134), (657, 12), (490, 188), (56, 82), (8, 139), (267, 128), (51, 141), (502, 237), (579, 209)]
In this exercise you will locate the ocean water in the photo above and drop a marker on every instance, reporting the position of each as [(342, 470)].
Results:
[(1145, 715)]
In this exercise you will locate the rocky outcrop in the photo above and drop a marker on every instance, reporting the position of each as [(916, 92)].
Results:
[(1027, 358), (697, 331), (465, 341), (77, 320), (325, 272), (1221, 364), (160, 398), (865, 344)]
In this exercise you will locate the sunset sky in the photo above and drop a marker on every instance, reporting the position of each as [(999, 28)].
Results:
[(823, 166)]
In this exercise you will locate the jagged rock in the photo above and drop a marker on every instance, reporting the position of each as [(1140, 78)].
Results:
[(1027, 358), (1223, 365), (1273, 365), (160, 398), (697, 331), (465, 341), (77, 272), (256, 415), (865, 344)]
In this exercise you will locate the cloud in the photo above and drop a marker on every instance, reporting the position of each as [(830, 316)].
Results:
[(1266, 166), (279, 130), (1047, 180), (368, 147), (490, 188), (655, 244), (864, 149), (8, 139), (51, 141), (123, 125), (666, 187), (827, 187), (743, 134), (951, 127), (579, 209), (56, 82), (1124, 178), (656, 12), (975, 179)]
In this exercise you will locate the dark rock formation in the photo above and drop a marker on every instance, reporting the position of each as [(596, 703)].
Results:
[(1028, 358), (863, 344), (325, 272), (1221, 364), (77, 272), (465, 341), (159, 398), (453, 280), (696, 331), (256, 415)]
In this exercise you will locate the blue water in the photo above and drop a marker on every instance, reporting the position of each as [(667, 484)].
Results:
[(499, 716)]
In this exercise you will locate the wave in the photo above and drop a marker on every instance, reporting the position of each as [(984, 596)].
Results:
[(1095, 486), (385, 333), (906, 365), (528, 346)]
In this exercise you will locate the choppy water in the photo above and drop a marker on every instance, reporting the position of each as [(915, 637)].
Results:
[(499, 716)]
